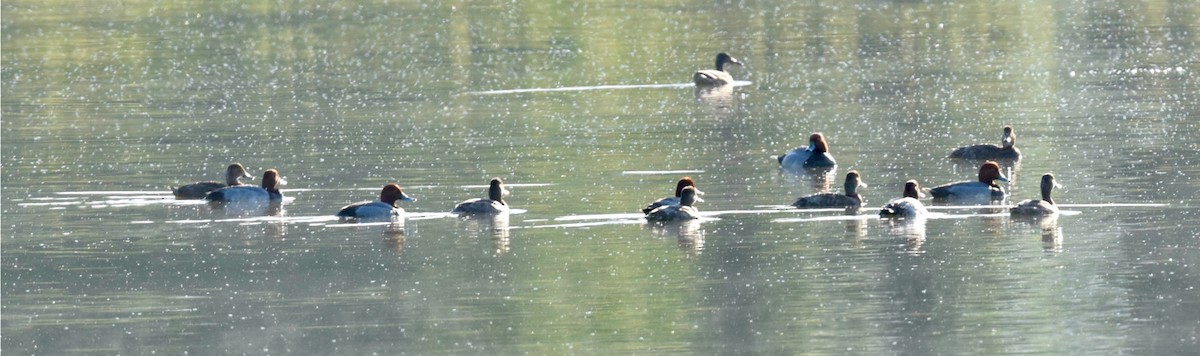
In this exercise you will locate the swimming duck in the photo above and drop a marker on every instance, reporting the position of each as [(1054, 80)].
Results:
[(269, 192), (674, 200), (907, 206), (716, 76), (681, 212), (383, 209), (850, 199), (1045, 206), (816, 155), (199, 189), (493, 204), (983, 189), (1006, 150)]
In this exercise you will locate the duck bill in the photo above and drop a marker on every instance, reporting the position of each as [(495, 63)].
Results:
[(1003, 179), (282, 181), (408, 198)]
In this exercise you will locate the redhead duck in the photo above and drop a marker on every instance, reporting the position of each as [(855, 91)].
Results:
[(816, 155), (907, 206), (269, 192), (1006, 150), (383, 209), (493, 204), (983, 189), (674, 200), (716, 76), (1045, 206), (831, 200), (683, 211), (199, 189)]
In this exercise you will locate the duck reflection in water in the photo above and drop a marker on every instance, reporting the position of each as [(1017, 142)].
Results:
[(687, 234), (494, 227), (393, 237), (912, 230)]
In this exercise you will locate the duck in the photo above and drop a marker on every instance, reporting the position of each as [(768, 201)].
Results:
[(983, 189), (850, 199), (716, 76), (269, 192), (1036, 207), (682, 212), (816, 155), (1006, 150), (493, 204), (907, 206), (383, 209), (198, 190), (674, 200)]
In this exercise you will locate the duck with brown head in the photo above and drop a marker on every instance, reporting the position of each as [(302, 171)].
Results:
[(674, 200), (815, 155), (1038, 207), (493, 204), (718, 76), (384, 209), (907, 206), (683, 211), (1006, 151), (269, 192), (983, 189), (850, 199), (198, 190)]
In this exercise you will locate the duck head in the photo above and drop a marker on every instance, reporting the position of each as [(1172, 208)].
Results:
[(496, 190), (724, 58), (816, 143), (687, 197), (912, 189), (1048, 184), (392, 193), (234, 172), (271, 180), (853, 182), (989, 172), (1009, 138), (684, 183)]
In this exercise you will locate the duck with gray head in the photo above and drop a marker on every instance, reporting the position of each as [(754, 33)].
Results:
[(199, 190), (716, 76), (1039, 207)]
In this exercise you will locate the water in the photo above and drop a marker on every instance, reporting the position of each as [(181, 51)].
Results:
[(584, 109)]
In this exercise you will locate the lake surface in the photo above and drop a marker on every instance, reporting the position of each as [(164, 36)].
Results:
[(586, 110)]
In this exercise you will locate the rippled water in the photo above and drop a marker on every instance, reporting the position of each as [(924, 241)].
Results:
[(585, 109)]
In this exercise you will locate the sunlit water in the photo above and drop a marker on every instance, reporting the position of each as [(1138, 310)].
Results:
[(580, 108)]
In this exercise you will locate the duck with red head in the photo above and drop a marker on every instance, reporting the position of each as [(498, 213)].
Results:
[(269, 192), (850, 199), (1044, 206), (907, 206), (718, 76), (493, 204), (682, 212), (984, 189), (674, 200), (1007, 149), (384, 209), (198, 190), (815, 155)]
